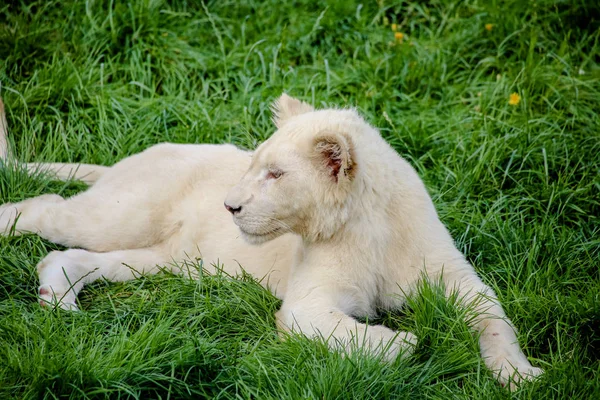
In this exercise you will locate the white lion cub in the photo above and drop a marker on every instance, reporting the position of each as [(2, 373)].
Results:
[(330, 216)]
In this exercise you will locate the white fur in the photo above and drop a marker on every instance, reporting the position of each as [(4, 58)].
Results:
[(4, 149), (340, 225)]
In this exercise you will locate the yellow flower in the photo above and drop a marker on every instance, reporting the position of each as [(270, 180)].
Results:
[(394, 27), (489, 27), (514, 99), (399, 36)]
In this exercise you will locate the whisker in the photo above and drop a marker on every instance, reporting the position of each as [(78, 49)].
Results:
[(281, 224)]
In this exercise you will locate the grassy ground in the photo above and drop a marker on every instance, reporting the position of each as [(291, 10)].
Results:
[(518, 185)]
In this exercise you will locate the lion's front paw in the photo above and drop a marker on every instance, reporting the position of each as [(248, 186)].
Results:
[(515, 374), (404, 344), (393, 343)]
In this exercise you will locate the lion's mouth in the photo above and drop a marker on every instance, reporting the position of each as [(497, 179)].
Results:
[(260, 234)]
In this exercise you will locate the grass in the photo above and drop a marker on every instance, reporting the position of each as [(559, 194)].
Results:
[(517, 185)]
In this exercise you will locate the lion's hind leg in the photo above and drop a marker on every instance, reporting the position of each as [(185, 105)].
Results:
[(62, 221), (28, 215)]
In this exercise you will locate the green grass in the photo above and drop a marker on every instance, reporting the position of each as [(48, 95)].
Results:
[(518, 186)]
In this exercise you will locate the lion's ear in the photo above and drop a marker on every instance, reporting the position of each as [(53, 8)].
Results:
[(334, 152), (286, 107)]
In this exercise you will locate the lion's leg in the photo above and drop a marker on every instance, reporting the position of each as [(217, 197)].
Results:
[(93, 220), (88, 173), (63, 273), (498, 340), (74, 222), (317, 317), (33, 215)]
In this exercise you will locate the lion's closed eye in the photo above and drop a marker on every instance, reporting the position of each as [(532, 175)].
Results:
[(274, 174)]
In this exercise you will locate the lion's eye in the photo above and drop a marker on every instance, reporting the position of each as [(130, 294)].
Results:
[(274, 174)]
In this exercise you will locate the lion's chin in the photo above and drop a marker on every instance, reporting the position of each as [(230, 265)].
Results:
[(260, 238)]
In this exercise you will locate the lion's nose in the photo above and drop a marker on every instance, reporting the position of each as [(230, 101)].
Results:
[(233, 210)]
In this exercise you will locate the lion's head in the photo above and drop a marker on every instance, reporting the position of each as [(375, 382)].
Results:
[(301, 178)]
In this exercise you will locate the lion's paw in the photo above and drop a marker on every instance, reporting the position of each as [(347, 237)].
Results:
[(8, 215), (49, 298), (515, 374), (394, 344), (404, 344), (55, 289)]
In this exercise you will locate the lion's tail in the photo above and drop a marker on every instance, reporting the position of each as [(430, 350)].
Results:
[(87, 173), (4, 149)]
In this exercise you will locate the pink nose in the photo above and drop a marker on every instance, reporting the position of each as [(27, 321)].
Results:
[(233, 210)]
